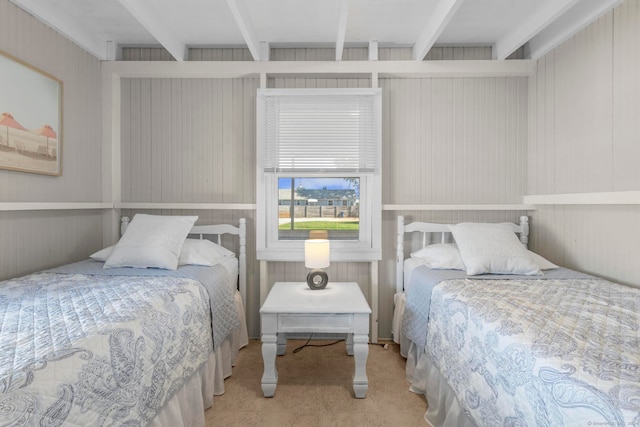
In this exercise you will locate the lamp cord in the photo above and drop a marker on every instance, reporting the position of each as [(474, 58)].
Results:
[(315, 345)]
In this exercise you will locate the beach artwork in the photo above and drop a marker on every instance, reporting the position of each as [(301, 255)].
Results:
[(30, 118)]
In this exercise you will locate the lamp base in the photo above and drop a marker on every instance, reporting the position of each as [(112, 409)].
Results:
[(317, 279)]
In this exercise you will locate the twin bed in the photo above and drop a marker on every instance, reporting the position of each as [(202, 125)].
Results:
[(86, 345), (493, 334), (541, 347)]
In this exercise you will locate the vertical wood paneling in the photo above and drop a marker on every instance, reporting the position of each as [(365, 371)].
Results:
[(220, 54), (626, 96), (454, 140), (585, 116), (601, 240), (146, 54), (35, 240), (188, 140), (574, 127)]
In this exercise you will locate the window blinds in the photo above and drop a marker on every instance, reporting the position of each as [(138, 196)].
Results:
[(321, 131)]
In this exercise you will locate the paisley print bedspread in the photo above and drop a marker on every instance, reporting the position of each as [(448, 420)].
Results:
[(539, 352), (83, 350)]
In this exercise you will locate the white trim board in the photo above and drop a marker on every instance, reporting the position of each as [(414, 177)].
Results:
[(58, 206), (192, 206), (460, 207), (601, 198), (53, 206), (231, 69)]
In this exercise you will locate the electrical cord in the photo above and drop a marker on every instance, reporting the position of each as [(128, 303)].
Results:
[(314, 345), (306, 344)]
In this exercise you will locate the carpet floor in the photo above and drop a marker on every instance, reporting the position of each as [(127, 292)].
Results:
[(315, 389)]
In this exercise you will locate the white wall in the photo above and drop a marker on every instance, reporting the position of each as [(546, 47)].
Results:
[(584, 138), (34, 240)]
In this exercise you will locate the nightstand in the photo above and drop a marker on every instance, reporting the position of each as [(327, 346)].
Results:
[(291, 307)]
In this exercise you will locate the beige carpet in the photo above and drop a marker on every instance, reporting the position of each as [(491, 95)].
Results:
[(315, 389)]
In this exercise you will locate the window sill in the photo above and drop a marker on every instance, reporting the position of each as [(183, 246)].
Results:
[(337, 255)]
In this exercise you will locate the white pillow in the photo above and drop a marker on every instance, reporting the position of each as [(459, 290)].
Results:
[(444, 256), (102, 254), (542, 262), (202, 252), (194, 252), (492, 248), (151, 241)]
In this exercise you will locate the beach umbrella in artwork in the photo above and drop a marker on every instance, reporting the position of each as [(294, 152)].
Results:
[(48, 132), (6, 119)]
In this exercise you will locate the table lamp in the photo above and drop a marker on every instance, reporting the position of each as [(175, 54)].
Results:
[(316, 257)]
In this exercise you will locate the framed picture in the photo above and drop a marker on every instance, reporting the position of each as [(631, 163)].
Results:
[(30, 118)]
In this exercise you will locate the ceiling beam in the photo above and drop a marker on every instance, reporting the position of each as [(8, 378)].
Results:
[(243, 20), (265, 51), (581, 15), (342, 28), (436, 23), (527, 29), (373, 50), (144, 11), (48, 13)]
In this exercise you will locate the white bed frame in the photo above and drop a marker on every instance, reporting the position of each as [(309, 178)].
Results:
[(521, 229), (218, 230)]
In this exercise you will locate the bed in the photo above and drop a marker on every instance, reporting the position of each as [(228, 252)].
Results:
[(552, 347), (103, 343)]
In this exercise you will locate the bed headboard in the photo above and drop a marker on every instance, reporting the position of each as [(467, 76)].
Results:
[(425, 228), (217, 231)]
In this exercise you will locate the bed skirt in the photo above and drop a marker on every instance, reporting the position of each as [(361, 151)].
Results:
[(187, 406), (443, 409)]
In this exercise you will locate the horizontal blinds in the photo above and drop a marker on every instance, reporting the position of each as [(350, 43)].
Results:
[(321, 133)]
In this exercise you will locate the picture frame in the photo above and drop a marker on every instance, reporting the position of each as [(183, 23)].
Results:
[(30, 118)]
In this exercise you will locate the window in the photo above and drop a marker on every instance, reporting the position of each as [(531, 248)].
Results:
[(318, 170), (328, 205)]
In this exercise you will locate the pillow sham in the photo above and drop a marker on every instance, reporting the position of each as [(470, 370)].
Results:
[(102, 254), (542, 262), (151, 241), (446, 256), (194, 252), (492, 248), (441, 256), (202, 252)]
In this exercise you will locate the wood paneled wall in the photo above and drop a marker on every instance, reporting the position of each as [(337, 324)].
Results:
[(454, 140), (585, 137), (444, 141), (188, 140), (30, 241)]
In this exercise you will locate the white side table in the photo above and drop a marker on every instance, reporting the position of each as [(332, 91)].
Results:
[(293, 307)]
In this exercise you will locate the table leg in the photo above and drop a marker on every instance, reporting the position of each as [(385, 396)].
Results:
[(282, 343), (349, 344), (360, 352), (270, 374)]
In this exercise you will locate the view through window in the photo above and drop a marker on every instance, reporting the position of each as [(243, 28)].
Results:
[(318, 207)]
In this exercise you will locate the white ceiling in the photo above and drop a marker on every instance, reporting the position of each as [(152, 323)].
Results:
[(101, 26)]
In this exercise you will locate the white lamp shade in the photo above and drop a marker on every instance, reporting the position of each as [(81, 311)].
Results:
[(316, 253)]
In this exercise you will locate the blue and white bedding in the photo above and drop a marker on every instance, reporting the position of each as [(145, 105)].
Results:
[(85, 346), (563, 349)]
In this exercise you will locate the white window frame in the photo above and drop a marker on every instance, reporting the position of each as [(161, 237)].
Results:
[(268, 247)]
